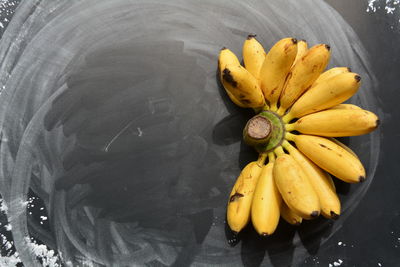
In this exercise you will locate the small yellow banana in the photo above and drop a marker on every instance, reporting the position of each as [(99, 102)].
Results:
[(303, 75), (345, 106), (239, 204), (227, 57), (243, 86), (295, 188), (266, 202), (348, 149), (336, 123), (302, 48), (325, 95), (275, 68), (321, 182), (289, 216), (253, 55), (330, 73), (330, 156)]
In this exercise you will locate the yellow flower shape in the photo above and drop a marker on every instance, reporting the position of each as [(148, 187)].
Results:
[(299, 112)]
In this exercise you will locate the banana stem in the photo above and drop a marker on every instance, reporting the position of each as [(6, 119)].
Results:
[(271, 157), (290, 127), (261, 159), (288, 117), (287, 145), (290, 137), (281, 111), (274, 107), (279, 151)]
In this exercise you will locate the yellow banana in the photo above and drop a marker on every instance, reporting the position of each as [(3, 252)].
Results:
[(266, 202), (243, 86), (336, 123), (239, 204), (325, 95), (331, 73), (302, 48), (348, 149), (330, 156), (289, 216), (345, 106), (303, 75), (295, 188), (253, 55), (227, 57), (275, 68), (321, 182)]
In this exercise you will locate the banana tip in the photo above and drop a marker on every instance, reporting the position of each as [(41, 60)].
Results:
[(348, 69), (297, 223), (314, 214), (358, 78), (334, 216), (223, 48), (264, 234), (361, 179), (303, 40), (377, 123), (294, 40), (251, 36), (328, 47)]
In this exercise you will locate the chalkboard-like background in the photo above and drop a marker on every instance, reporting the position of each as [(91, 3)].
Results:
[(117, 133)]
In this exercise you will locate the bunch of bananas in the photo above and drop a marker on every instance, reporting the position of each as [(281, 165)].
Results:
[(300, 111)]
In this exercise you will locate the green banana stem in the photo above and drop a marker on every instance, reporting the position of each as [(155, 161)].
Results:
[(271, 157), (290, 127), (288, 117), (274, 107), (279, 151), (261, 159), (290, 136), (281, 111)]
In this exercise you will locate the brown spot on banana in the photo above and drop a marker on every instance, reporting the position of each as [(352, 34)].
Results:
[(235, 196), (228, 77)]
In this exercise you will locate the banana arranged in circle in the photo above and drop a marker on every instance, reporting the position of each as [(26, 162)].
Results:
[(300, 110), (336, 123), (266, 201), (289, 216), (243, 86), (275, 69), (321, 181), (332, 92), (330, 156), (303, 75), (295, 187), (302, 48), (241, 197), (330, 73), (253, 55)]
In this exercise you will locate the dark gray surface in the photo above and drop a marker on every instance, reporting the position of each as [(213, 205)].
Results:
[(135, 147)]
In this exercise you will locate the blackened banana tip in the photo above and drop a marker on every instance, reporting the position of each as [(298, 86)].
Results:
[(251, 36), (264, 234), (297, 223), (358, 78), (334, 216), (314, 214), (361, 179), (377, 123), (328, 47), (348, 69), (294, 40), (303, 40), (223, 48)]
